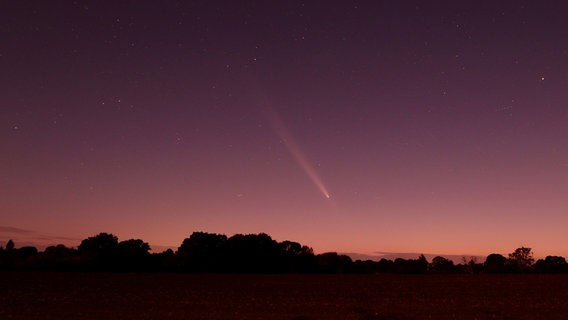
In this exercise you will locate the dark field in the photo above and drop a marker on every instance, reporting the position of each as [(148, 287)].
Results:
[(184, 296)]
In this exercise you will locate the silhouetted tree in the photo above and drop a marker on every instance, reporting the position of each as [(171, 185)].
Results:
[(99, 252), (551, 264), (400, 265), (414, 266), (8, 257), (441, 265), (385, 265), (26, 258), (26, 252), (291, 247), (59, 251), (365, 267), (59, 258), (295, 257), (421, 264), (166, 261), (202, 252), (469, 266), (10, 245), (133, 248), (521, 258), (495, 263), (133, 255), (250, 253), (332, 262), (256, 253), (103, 243)]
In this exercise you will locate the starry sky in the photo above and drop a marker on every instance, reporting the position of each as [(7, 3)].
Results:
[(350, 126)]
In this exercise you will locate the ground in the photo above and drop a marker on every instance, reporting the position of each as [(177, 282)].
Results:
[(293, 297)]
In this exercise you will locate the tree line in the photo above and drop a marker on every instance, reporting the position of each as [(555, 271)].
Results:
[(206, 252)]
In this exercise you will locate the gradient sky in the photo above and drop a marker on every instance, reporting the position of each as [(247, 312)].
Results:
[(350, 126)]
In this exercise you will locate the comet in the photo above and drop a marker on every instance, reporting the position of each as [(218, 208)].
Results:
[(282, 131)]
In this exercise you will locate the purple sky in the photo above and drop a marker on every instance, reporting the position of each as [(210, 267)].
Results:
[(351, 126)]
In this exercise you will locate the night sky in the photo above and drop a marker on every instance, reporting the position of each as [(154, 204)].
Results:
[(350, 126)]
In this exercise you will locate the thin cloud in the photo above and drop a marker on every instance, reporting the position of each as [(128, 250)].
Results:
[(14, 230), (54, 238), (24, 237)]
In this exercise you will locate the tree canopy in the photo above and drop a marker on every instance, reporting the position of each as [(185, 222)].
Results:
[(204, 252)]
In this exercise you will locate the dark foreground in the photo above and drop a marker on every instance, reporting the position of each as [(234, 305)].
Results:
[(293, 297)]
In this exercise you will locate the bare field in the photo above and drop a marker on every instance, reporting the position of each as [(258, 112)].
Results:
[(293, 297)]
